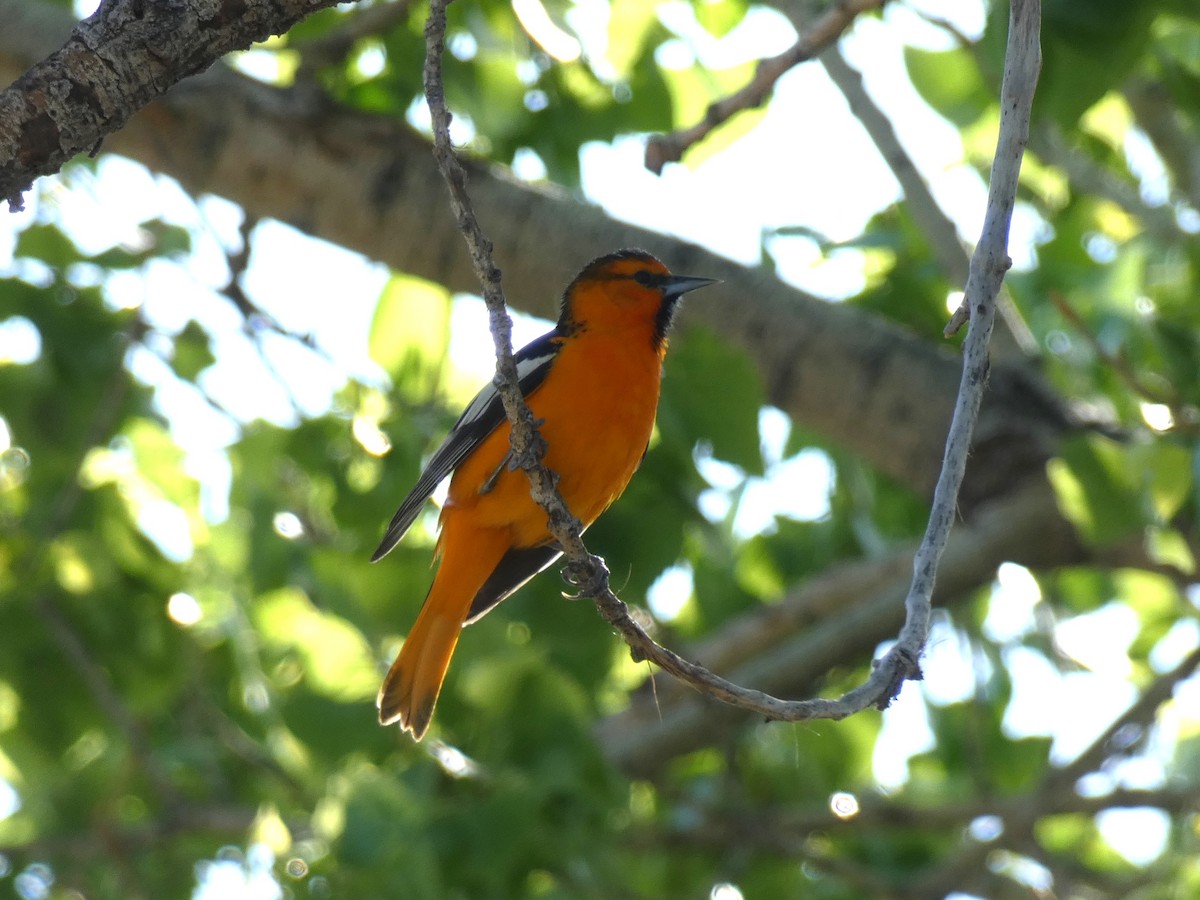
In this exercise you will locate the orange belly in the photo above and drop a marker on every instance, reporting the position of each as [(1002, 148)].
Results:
[(595, 440)]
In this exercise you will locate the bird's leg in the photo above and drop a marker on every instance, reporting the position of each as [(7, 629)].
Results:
[(537, 447), (490, 483), (512, 461)]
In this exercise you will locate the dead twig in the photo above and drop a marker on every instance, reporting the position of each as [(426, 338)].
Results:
[(665, 148)]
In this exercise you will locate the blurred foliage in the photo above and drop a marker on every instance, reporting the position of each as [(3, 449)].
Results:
[(187, 671)]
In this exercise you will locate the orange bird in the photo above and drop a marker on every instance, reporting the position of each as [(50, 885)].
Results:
[(593, 382)]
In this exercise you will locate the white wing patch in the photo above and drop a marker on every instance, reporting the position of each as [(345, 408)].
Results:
[(482, 416), (479, 407)]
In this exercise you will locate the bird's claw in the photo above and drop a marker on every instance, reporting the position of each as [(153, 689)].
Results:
[(589, 577)]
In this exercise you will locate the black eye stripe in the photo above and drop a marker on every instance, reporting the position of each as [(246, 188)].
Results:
[(643, 277)]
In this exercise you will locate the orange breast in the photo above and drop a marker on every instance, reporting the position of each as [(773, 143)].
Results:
[(598, 407)]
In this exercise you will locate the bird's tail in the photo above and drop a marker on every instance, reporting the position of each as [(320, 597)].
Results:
[(410, 690)]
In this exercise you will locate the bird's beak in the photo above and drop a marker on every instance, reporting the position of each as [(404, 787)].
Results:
[(675, 286)]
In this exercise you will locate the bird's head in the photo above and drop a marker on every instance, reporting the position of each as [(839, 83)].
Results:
[(628, 289)]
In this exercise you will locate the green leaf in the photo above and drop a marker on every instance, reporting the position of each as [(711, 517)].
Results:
[(1168, 547), (1168, 475), (950, 82), (1096, 489), (719, 17), (1087, 49), (169, 240), (338, 662), (632, 25), (712, 393), (693, 90), (48, 244), (193, 351), (410, 332), (160, 461)]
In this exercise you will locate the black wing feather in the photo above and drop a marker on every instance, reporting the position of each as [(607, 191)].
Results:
[(482, 416), (515, 568)]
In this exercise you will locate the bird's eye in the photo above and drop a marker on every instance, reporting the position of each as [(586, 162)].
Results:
[(644, 278)]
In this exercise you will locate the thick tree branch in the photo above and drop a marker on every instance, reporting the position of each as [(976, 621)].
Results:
[(791, 835), (227, 822), (115, 62)]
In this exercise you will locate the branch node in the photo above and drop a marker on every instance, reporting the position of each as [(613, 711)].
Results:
[(660, 150), (904, 666)]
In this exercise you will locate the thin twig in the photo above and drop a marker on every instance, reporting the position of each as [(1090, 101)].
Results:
[(1117, 361), (333, 47), (1138, 716), (1047, 796), (665, 148), (257, 323), (588, 571), (990, 260), (527, 444), (255, 318), (989, 263), (938, 228)]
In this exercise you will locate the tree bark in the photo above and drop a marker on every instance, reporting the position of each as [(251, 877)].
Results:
[(113, 63)]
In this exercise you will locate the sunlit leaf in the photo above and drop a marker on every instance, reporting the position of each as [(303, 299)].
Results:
[(47, 243), (337, 659), (719, 17), (1096, 489), (193, 352), (950, 82), (410, 331)]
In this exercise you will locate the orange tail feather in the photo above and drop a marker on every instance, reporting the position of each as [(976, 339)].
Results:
[(411, 687), (410, 690)]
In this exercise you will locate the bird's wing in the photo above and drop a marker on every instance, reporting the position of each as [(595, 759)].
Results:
[(481, 417), (516, 567)]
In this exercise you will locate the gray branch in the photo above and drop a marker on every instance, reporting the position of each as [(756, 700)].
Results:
[(989, 263)]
